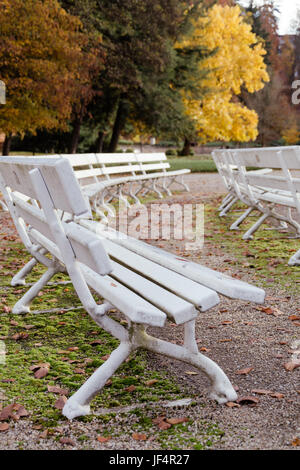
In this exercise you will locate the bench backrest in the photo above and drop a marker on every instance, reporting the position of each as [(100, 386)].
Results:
[(102, 165), (49, 182)]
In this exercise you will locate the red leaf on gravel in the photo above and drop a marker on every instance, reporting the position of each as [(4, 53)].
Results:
[(248, 400), (139, 437), (4, 427), (244, 371), (259, 391), (291, 365), (294, 317), (176, 420), (103, 439), (232, 404), (67, 440), (277, 395), (163, 425)]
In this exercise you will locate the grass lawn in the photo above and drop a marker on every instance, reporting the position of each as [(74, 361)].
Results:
[(193, 164)]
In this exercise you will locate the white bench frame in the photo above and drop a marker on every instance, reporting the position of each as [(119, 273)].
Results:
[(263, 189), (52, 217), (141, 172)]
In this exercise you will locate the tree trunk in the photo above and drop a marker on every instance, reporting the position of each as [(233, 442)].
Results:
[(186, 147), (7, 144), (100, 142), (118, 126), (76, 132)]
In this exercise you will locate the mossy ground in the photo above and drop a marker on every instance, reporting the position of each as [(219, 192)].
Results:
[(74, 346)]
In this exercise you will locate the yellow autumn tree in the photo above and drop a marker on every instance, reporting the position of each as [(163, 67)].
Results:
[(238, 62), (291, 135)]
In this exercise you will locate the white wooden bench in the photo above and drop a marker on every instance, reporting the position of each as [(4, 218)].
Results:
[(275, 183), (104, 177), (146, 284)]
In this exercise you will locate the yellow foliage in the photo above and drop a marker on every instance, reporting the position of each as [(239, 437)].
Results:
[(238, 63), (291, 135)]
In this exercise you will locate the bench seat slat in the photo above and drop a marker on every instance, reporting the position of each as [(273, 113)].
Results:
[(200, 296), (215, 280), (176, 308)]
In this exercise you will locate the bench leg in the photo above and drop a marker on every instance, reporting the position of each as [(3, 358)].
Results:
[(228, 207), (133, 194), (22, 306), (123, 198), (79, 403), (156, 190), (225, 201), (19, 278), (235, 225), (249, 234), (221, 389), (182, 183), (164, 187)]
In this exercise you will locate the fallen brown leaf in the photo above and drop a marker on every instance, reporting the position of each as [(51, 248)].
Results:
[(79, 371), (248, 400), (41, 372), (294, 317), (163, 425), (67, 440), (130, 389), (58, 390), (244, 371), (4, 427), (232, 404), (151, 382), (291, 365), (259, 391), (277, 395), (6, 412), (60, 403), (176, 420), (139, 437), (103, 439)]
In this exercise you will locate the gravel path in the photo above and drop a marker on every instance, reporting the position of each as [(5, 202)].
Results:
[(252, 347)]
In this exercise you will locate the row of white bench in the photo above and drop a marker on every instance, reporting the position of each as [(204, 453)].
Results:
[(272, 181), (117, 176), (146, 284)]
